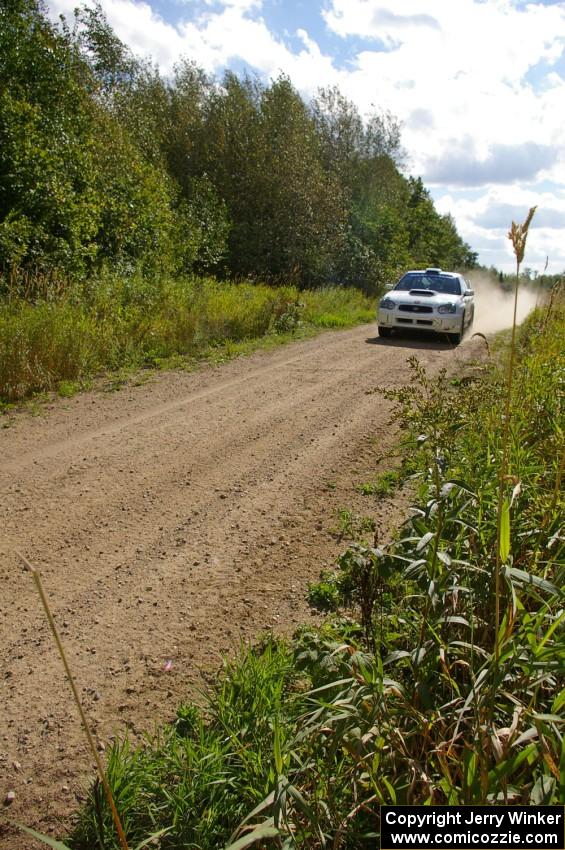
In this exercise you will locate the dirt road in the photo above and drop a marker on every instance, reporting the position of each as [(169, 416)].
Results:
[(170, 521)]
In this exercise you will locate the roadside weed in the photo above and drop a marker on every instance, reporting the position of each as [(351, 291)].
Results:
[(352, 526), (384, 484), (324, 594)]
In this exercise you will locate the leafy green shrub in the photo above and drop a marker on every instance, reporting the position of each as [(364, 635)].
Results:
[(199, 776), (324, 594), (336, 307), (352, 526), (290, 318), (382, 485)]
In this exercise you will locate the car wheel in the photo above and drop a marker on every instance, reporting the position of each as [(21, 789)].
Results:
[(384, 332), (455, 339)]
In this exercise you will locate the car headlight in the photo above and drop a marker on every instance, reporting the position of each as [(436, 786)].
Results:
[(387, 304), (447, 308)]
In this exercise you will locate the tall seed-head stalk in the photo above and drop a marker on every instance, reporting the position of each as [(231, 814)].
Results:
[(88, 733), (518, 235)]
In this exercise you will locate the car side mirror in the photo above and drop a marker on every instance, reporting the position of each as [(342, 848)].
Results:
[(389, 286), (470, 292)]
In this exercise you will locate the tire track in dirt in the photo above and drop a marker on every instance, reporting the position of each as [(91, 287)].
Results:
[(172, 521)]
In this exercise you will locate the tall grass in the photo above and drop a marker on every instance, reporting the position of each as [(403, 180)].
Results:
[(86, 729), (204, 773), (112, 322), (518, 235)]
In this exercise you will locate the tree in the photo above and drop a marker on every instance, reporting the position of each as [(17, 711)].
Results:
[(305, 227), (232, 156), (434, 240), (341, 134), (48, 204), (76, 190)]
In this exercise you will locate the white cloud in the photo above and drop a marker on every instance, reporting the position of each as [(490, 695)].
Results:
[(243, 5), (460, 166), (484, 222), (388, 22), (215, 39), (463, 62)]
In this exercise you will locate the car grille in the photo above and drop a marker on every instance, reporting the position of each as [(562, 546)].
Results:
[(416, 308), (415, 321)]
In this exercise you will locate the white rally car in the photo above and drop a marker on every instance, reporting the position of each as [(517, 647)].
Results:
[(430, 300)]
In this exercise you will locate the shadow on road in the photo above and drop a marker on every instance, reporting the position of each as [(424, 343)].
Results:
[(424, 340)]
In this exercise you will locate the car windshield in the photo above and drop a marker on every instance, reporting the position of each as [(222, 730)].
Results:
[(435, 282)]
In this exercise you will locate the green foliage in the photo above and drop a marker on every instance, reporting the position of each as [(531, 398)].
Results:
[(351, 526), (137, 224), (324, 594), (77, 192), (433, 239), (47, 207), (201, 775), (206, 227), (305, 222), (382, 485)]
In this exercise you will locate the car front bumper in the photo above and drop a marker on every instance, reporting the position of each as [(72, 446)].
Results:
[(444, 323)]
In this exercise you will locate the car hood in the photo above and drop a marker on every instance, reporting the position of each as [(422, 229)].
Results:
[(419, 296)]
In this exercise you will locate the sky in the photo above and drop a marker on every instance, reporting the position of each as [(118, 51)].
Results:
[(478, 86)]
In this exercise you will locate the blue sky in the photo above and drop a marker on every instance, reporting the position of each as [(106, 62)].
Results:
[(479, 86)]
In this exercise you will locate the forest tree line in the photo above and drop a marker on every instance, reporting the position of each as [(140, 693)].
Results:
[(104, 163)]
